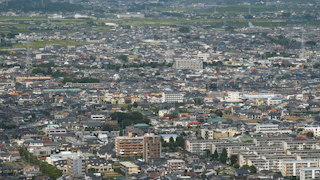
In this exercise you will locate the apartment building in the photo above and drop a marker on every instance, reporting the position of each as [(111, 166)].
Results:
[(267, 127), (275, 161), (194, 64), (148, 145), (230, 146), (293, 168), (126, 146), (200, 145), (301, 144), (269, 141), (100, 165), (129, 168), (172, 97), (314, 129), (206, 133), (259, 163), (175, 165), (76, 166), (242, 158), (302, 152), (151, 147), (310, 173)]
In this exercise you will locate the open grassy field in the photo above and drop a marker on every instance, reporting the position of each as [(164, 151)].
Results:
[(41, 44), (112, 175), (244, 9)]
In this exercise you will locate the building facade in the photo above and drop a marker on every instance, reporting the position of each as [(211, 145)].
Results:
[(194, 64), (172, 97), (176, 165), (76, 166), (147, 146), (310, 173), (128, 168), (151, 147), (293, 168)]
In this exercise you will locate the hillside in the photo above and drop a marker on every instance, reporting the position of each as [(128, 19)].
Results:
[(36, 5)]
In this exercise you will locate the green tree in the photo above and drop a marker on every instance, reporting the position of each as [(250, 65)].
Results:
[(223, 159), (38, 71), (171, 140), (236, 166), (180, 142), (245, 167), (233, 159), (18, 84), (208, 152), (92, 170), (129, 107), (135, 105), (215, 155), (218, 112), (224, 152), (184, 29), (224, 155), (253, 169), (123, 58), (309, 134)]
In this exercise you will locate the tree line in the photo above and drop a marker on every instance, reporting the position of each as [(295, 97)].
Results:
[(46, 168)]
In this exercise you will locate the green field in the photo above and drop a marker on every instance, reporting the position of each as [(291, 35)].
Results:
[(41, 44)]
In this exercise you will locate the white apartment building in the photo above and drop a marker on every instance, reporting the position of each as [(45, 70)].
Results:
[(172, 97), (267, 128), (301, 145), (204, 56), (206, 133), (259, 163), (194, 64), (200, 145), (315, 129), (310, 173), (273, 101), (233, 96), (99, 117), (293, 168)]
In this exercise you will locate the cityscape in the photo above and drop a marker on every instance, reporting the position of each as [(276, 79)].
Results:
[(159, 90)]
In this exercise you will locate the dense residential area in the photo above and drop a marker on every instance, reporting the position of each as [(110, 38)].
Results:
[(159, 90)]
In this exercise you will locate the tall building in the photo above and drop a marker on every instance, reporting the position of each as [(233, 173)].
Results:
[(310, 173), (194, 64), (172, 97), (293, 168), (149, 146), (76, 166)]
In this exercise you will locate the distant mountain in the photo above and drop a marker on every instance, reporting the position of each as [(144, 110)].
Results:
[(39, 5)]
